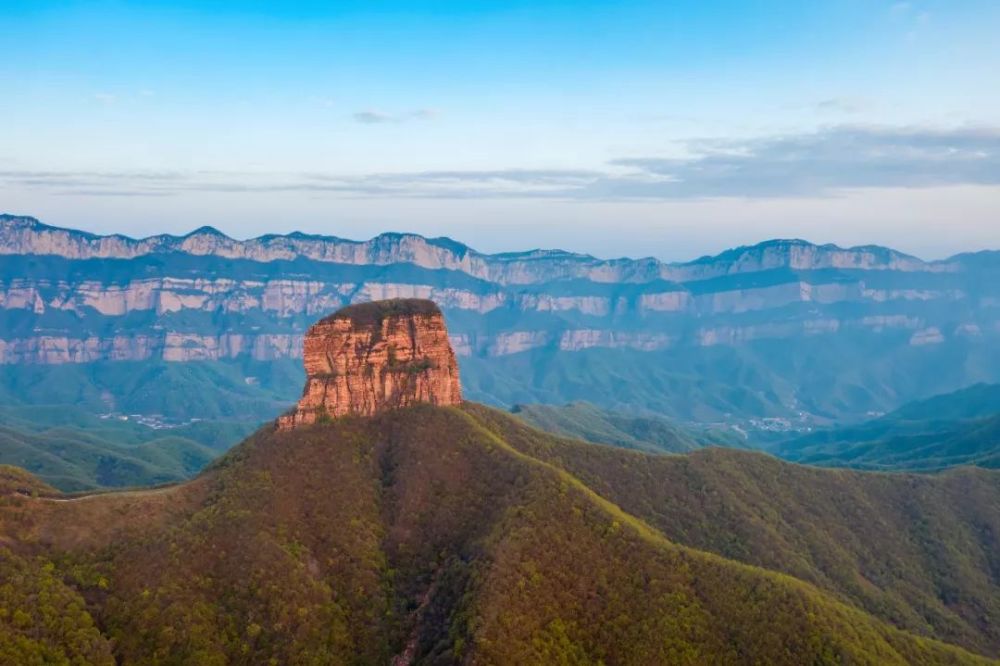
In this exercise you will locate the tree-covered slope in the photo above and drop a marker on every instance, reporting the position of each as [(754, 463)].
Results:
[(218, 390), (435, 535), (920, 551), (645, 432), (960, 428), (74, 450)]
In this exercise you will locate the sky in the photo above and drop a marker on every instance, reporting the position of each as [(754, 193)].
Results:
[(671, 129)]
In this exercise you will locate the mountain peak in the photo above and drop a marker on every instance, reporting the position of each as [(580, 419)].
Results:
[(370, 357), (205, 230), (25, 221)]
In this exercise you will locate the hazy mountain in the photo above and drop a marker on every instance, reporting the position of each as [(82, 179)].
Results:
[(960, 428), (442, 534), (654, 434), (781, 329), (74, 450)]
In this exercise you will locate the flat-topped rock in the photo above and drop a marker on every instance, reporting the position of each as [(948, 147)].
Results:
[(370, 357)]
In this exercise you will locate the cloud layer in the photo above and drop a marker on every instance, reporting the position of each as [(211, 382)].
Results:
[(376, 117), (795, 165)]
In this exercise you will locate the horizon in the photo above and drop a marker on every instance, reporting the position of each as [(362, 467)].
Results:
[(527, 250), (636, 129)]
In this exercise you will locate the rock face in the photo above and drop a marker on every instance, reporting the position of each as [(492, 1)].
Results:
[(243, 307), (375, 356), (71, 297)]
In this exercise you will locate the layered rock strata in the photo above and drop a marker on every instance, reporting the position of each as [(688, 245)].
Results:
[(375, 356)]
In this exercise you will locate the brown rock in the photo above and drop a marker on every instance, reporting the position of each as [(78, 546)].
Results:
[(375, 356)]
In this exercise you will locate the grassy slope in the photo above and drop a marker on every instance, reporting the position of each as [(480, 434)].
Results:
[(645, 433), (430, 529), (921, 552), (15, 479)]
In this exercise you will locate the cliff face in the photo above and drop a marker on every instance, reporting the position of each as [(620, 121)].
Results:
[(71, 297), (375, 356), (68, 297), (26, 235)]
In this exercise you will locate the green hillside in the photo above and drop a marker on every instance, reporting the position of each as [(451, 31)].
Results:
[(446, 535), (919, 551), (74, 450), (215, 390), (644, 433), (960, 428)]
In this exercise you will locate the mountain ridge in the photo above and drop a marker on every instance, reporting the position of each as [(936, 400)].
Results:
[(675, 331), (168, 242), (456, 535)]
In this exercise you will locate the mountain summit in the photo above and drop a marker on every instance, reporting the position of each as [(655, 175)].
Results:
[(370, 357)]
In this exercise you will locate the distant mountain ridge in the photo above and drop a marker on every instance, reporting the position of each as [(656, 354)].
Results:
[(809, 331), (27, 235)]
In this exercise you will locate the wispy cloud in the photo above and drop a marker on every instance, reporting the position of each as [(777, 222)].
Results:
[(793, 165), (822, 162), (376, 117), (372, 117), (846, 105)]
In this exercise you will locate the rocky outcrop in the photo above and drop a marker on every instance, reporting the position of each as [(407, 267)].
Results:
[(375, 356)]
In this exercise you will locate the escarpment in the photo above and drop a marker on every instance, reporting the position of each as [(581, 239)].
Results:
[(371, 357)]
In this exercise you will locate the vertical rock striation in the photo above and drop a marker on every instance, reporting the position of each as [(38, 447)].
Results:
[(375, 356)]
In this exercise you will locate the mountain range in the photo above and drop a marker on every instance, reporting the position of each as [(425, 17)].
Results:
[(805, 334), (384, 519)]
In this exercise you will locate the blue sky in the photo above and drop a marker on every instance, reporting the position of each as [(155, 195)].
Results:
[(627, 128)]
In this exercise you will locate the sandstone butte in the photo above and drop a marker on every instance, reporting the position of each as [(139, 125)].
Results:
[(370, 357)]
